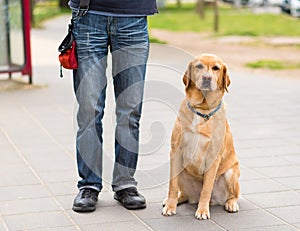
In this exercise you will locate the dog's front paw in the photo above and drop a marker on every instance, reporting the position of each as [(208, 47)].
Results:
[(232, 206), (169, 208), (202, 214)]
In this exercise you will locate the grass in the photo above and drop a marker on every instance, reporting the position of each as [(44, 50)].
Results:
[(46, 10), (155, 40), (232, 21), (273, 64)]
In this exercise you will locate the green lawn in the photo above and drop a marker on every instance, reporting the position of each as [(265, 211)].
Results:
[(232, 21), (46, 10), (273, 64)]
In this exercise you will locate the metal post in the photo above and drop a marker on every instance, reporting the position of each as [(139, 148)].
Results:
[(27, 19)]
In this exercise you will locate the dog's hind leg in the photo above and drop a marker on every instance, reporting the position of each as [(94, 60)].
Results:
[(182, 198), (233, 187)]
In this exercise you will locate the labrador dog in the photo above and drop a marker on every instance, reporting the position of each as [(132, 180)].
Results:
[(204, 168)]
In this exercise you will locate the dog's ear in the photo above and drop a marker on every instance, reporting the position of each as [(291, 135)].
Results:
[(226, 79), (187, 76)]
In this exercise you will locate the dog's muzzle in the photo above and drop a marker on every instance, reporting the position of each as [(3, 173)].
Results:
[(206, 82)]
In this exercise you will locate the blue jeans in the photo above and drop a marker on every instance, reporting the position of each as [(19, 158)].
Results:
[(127, 40)]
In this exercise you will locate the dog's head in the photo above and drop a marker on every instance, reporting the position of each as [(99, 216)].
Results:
[(206, 75)]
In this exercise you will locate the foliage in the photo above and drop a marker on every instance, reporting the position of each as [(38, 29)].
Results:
[(232, 21), (45, 10)]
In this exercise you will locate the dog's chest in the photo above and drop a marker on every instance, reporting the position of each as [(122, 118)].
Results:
[(200, 145)]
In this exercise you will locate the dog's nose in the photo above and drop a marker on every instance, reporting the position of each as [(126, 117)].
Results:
[(206, 77)]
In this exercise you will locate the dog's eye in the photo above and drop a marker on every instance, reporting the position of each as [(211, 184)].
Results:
[(199, 66), (216, 68)]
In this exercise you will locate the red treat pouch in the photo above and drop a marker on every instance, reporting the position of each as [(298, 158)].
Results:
[(67, 49)]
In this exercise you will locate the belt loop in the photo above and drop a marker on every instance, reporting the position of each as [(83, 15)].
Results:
[(83, 7), (82, 12)]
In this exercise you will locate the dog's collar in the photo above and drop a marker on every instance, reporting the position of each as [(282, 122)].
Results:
[(204, 116)]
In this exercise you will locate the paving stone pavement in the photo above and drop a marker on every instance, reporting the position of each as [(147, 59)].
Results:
[(37, 162)]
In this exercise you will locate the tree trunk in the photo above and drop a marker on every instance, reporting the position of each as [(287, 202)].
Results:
[(216, 16), (178, 3), (63, 3), (32, 3), (200, 8)]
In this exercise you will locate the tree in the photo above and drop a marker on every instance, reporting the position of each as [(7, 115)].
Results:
[(178, 3), (200, 10), (63, 3), (32, 4), (216, 16)]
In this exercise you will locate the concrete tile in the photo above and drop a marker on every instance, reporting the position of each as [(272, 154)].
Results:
[(177, 223), (289, 214), (37, 150), (61, 162), (290, 182), (58, 176), (243, 204), (260, 186), (294, 159), (39, 220), (157, 194), (103, 215), (3, 226), (249, 174), (153, 210), (106, 199), (21, 140), (19, 168), (64, 228), (264, 162), (284, 150), (9, 156), (145, 181), (297, 225), (124, 226), (252, 152), (14, 178), (28, 206), (273, 228), (9, 193), (267, 142), (275, 199), (63, 188), (280, 171), (66, 201), (245, 219), (160, 174)]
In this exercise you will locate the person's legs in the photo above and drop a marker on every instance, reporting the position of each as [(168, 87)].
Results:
[(91, 37), (129, 48)]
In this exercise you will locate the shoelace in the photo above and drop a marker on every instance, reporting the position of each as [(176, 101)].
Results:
[(86, 193), (132, 192)]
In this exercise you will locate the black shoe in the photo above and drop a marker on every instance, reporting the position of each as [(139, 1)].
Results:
[(130, 198), (86, 200)]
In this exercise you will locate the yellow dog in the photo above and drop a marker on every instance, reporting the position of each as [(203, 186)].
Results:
[(203, 165)]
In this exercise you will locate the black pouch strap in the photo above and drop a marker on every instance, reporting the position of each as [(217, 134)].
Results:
[(67, 42), (83, 7)]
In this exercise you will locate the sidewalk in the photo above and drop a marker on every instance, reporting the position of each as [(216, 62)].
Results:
[(38, 167)]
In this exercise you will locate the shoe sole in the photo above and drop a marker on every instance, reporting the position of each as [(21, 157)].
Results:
[(83, 209)]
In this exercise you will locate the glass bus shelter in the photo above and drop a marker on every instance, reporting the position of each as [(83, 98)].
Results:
[(15, 55)]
